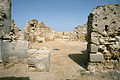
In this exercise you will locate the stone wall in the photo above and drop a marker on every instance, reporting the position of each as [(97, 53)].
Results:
[(38, 32), (5, 23), (104, 36), (5, 16), (70, 36), (14, 31), (81, 32)]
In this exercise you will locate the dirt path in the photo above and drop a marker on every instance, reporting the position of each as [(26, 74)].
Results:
[(62, 65)]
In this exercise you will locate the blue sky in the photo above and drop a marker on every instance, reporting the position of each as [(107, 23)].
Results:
[(61, 15)]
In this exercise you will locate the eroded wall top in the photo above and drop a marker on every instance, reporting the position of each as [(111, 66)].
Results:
[(5, 16)]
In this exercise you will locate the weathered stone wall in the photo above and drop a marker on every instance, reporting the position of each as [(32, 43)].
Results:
[(104, 35), (38, 31), (5, 23), (14, 31), (80, 32), (38, 60), (5, 17), (70, 36)]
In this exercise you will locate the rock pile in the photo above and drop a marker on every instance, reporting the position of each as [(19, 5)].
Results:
[(5, 17), (38, 32), (14, 30), (65, 35), (80, 32), (104, 36)]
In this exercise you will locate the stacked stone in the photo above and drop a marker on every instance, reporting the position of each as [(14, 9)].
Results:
[(104, 35), (14, 30), (81, 32), (65, 36), (38, 31)]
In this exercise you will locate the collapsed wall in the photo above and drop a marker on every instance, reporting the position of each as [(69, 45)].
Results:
[(81, 32), (104, 37), (38, 32), (14, 31), (69, 36)]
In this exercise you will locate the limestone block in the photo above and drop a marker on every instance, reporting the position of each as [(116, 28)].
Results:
[(18, 49), (118, 38), (112, 40), (95, 40), (98, 57), (39, 59), (102, 48), (101, 40), (92, 48)]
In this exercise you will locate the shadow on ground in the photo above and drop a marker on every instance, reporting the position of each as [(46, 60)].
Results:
[(14, 78), (80, 58)]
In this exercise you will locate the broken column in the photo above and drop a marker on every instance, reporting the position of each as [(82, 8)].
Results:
[(103, 29)]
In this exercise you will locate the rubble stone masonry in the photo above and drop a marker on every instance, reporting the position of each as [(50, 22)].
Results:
[(103, 29)]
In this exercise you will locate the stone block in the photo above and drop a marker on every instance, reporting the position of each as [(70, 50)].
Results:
[(18, 49), (98, 57), (95, 40), (39, 60), (93, 48)]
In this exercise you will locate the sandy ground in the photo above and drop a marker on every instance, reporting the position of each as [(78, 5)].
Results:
[(68, 62)]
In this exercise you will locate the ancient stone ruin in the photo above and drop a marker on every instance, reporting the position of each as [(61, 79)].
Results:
[(38, 32), (5, 23), (102, 32), (81, 32), (104, 37), (38, 60), (14, 43)]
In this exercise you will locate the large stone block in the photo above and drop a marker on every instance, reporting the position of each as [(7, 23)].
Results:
[(39, 60), (93, 48), (18, 49), (95, 40), (98, 57)]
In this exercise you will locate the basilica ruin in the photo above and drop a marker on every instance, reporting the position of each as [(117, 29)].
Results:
[(100, 35)]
